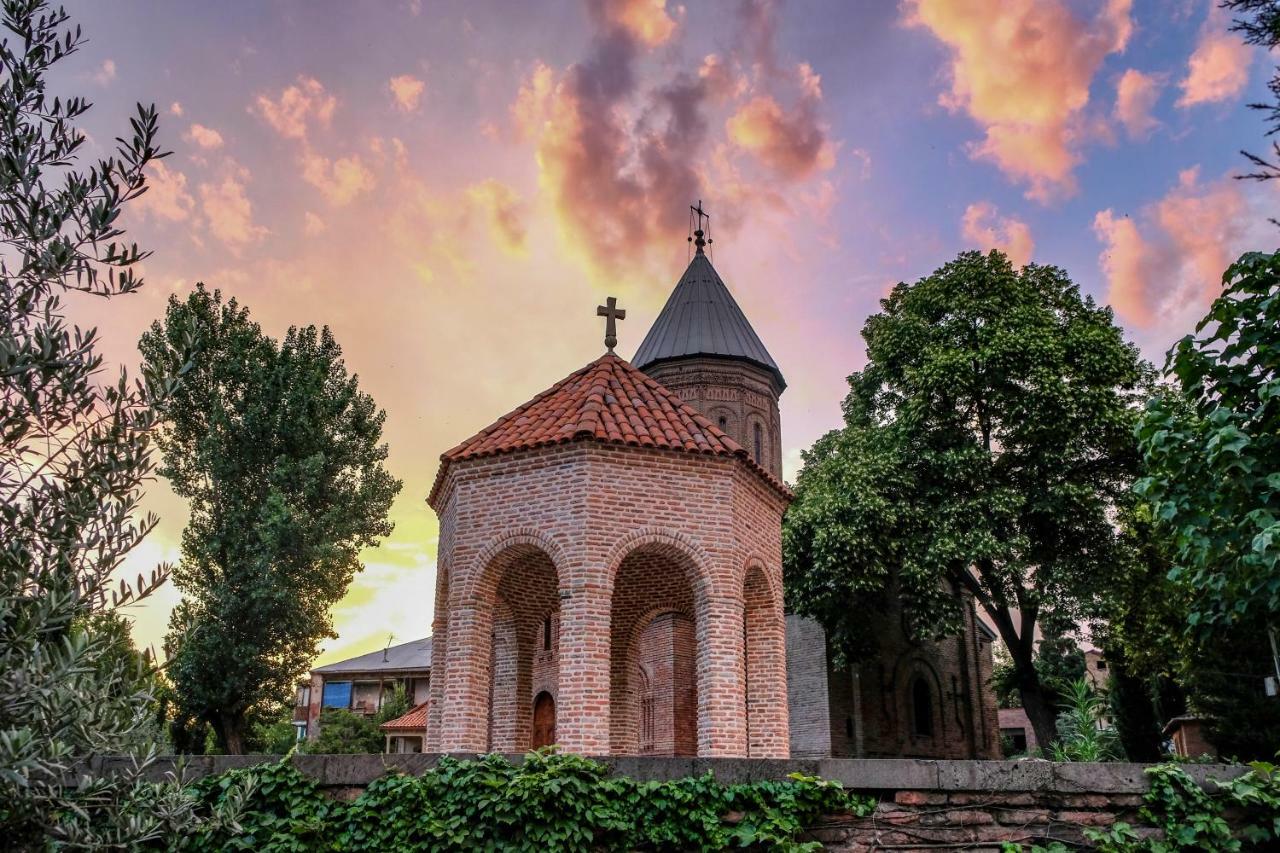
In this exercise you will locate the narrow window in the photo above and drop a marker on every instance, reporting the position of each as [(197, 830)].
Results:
[(546, 634), (723, 423), (759, 445), (922, 708)]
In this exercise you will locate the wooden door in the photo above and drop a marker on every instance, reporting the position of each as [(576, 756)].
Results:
[(544, 720)]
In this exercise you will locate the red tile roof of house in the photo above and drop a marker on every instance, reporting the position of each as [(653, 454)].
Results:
[(415, 719), (609, 400)]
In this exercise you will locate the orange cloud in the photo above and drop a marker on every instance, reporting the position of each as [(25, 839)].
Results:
[(166, 196), (1219, 67), (1136, 96), (204, 137), (340, 180), (406, 91), (297, 108), (229, 211), (646, 21), (792, 143), (986, 228), (1022, 69), (1170, 262), (504, 210)]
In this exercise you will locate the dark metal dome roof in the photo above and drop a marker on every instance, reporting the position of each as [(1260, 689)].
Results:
[(702, 319)]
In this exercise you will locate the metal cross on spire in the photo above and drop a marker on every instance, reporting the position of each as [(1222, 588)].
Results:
[(698, 234), (611, 312)]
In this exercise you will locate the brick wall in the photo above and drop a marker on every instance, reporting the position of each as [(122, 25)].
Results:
[(807, 688)]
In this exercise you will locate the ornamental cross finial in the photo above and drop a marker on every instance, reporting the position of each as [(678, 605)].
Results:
[(611, 312), (698, 234)]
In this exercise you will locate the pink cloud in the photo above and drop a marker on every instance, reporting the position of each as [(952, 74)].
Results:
[(339, 180), (204, 137), (1218, 69), (1167, 264), (983, 225), (503, 208), (1136, 96), (297, 108), (1022, 70), (229, 211), (406, 91), (166, 196)]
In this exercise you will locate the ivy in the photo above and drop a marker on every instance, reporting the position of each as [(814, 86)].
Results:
[(1191, 819), (549, 802)]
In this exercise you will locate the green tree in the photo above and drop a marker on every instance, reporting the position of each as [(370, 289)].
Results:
[(1211, 446), (344, 733), (280, 457), (73, 453), (985, 444)]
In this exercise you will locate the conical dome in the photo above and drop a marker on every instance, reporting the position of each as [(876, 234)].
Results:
[(702, 319)]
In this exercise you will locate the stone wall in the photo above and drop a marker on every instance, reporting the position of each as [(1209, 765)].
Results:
[(970, 805)]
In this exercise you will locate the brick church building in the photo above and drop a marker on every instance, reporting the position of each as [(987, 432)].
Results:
[(610, 573)]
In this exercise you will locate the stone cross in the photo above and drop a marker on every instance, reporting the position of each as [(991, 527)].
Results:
[(611, 312)]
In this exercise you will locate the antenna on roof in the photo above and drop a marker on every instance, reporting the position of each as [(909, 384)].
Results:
[(390, 637)]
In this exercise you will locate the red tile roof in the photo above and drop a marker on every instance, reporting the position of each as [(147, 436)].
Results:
[(609, 400), (415, 719)]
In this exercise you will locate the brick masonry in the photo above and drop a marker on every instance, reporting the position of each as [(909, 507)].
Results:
[(971, 805)]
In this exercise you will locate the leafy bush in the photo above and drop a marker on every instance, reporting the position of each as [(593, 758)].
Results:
[(549, 801), (345, 733), (1080, 731)]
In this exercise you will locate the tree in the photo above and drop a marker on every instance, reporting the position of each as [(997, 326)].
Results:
[(279, 454), (73, 454), (985, 444), (1259, 22), (345, 733), (1211, 446)]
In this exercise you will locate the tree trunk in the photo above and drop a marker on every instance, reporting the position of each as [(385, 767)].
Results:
[(230, 731), (1040, 710)]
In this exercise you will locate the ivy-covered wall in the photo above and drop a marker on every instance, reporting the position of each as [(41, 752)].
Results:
[(888, 803)]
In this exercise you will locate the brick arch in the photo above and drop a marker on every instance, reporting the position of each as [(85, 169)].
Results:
[(764, 662), (909, 668), (649, 564), (480, 583), (628, 699), (679, 546), (489, 706)]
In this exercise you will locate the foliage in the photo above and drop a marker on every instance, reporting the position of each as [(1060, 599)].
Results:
[(548, 801), (1058, 663), (1212, 450), (987, 442), (278, 453), (273, 738), (1259, 22), (73, 452), (345, 733), (1080, 730), (393, 706), (1223, 676)]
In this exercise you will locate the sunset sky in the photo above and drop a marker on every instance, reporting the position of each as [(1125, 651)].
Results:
[(454, 186)]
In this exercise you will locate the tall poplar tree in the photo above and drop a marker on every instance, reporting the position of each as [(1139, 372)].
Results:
[(987, 442), (280, 456)]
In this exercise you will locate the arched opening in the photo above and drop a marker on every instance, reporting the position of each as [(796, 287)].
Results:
[(921, 708), (523, 659), (654, 655), (762, 645), (544, 720)]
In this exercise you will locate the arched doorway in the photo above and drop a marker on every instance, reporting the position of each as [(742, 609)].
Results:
[(523, 662), (654, 663), (544, 720)]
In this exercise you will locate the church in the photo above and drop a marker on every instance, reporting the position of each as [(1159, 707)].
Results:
[(610, 573)]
